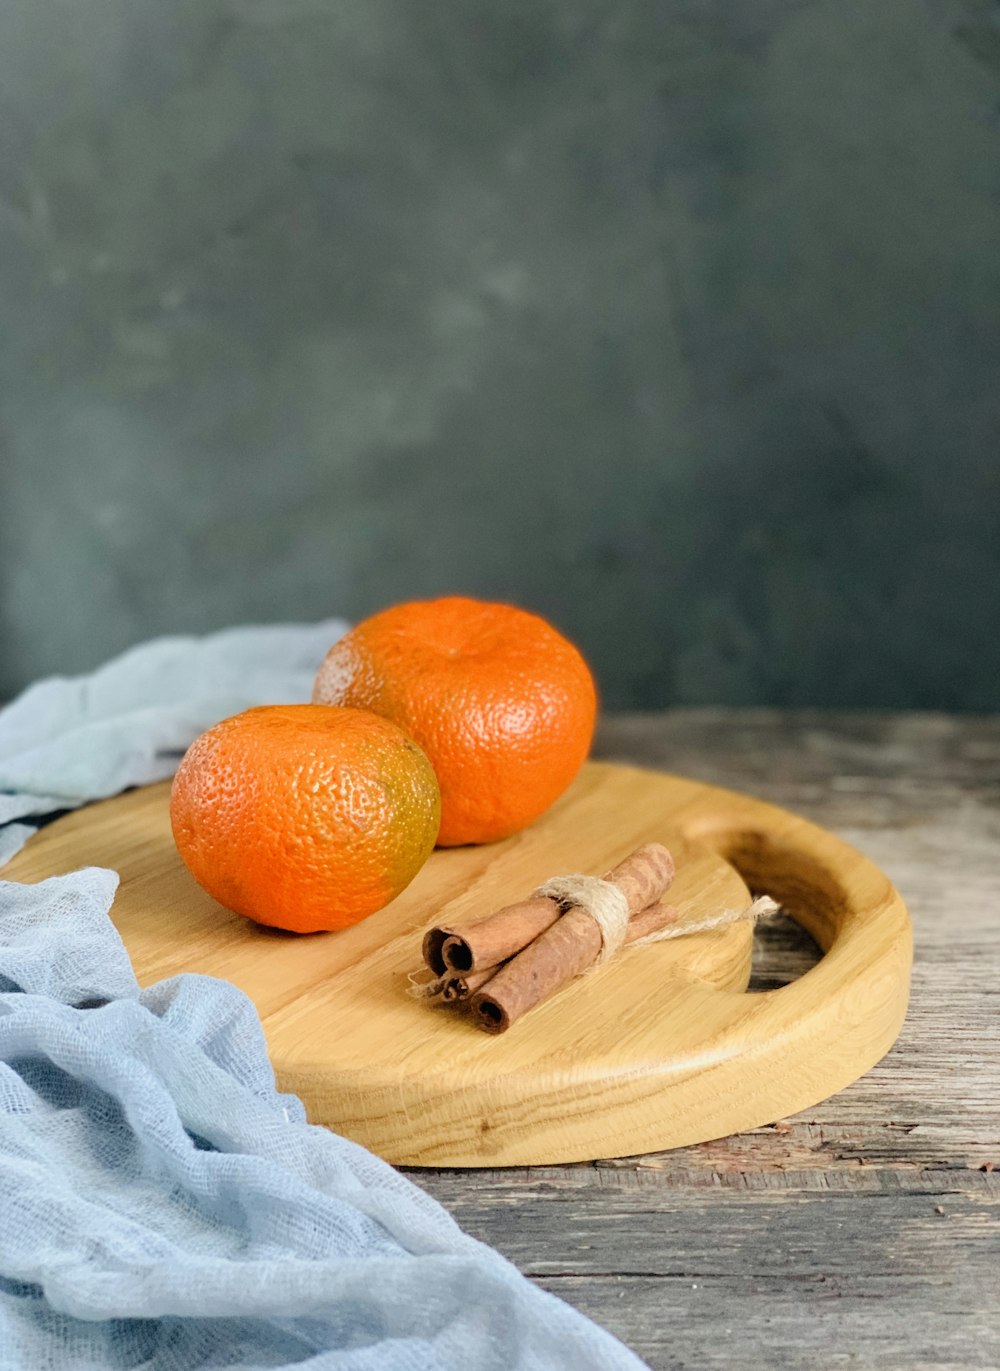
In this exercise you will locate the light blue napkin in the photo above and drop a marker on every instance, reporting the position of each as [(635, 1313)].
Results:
[(162, 1206)]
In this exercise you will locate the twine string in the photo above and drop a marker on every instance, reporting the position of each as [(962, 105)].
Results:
[(609, 909), (604, 902), (760, 908)]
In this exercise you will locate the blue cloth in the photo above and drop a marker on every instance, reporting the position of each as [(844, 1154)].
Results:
[(162, 1205)]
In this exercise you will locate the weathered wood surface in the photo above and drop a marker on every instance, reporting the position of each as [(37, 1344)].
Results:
[(864, 1233)]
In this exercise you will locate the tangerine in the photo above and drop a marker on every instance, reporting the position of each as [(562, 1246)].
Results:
[(503, 705), (304, 817)]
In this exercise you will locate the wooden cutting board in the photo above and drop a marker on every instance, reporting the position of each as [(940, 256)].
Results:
[(659, 1049)]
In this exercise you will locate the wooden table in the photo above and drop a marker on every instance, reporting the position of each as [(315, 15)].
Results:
[(864, 1233)]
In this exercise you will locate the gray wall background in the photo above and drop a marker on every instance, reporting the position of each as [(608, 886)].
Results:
[(677, 320)]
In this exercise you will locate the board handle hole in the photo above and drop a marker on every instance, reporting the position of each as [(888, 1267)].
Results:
[(782, 952), (808, 890)]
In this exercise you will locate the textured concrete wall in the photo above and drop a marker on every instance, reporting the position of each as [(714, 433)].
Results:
[(678, 320)]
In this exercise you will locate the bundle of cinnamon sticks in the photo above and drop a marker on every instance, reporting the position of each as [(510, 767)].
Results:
[(511, 961)]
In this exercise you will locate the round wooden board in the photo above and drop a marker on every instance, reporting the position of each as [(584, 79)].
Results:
[(661, 1048)]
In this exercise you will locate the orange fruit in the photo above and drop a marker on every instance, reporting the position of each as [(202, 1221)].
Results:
[(503, 705), (303, 816)]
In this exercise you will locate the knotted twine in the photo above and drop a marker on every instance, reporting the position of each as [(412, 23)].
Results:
[(609, 909)]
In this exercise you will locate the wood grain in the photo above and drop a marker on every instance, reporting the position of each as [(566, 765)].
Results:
[(658, 1049), (762, 1278)]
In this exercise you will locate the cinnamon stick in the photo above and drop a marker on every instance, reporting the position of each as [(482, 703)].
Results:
[(650, 920), (461, 987), (448, 988), (565, 950), (493, 939), (642, 878)]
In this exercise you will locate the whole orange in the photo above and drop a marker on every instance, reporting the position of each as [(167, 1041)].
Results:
[(503, 705), (303, 816)]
